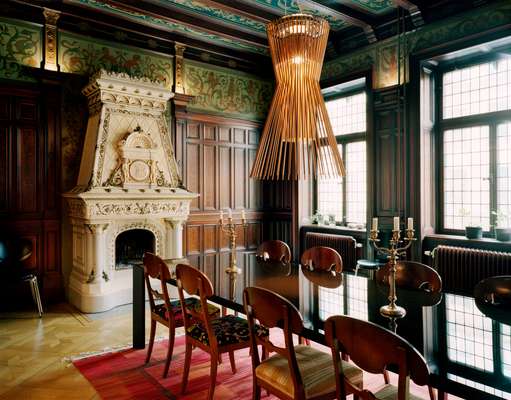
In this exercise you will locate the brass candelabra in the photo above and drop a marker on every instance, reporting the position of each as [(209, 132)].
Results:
[(229, 229), (393, 253)]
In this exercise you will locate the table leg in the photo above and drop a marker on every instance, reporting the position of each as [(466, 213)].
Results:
[(442, 395), (138, 308)]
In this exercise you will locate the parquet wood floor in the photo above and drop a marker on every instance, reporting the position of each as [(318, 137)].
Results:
[(32, 350)]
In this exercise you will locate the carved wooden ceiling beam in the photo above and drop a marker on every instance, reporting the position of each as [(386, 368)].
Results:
[(413, 9)]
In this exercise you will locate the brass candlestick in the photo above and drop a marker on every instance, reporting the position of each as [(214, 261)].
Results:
[(392, 310), (232, 270)]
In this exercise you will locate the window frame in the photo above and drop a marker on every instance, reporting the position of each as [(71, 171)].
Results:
[(490, 119), (344, 140)]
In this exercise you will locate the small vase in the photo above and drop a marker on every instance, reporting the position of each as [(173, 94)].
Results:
[(503, 234), (473, 232)]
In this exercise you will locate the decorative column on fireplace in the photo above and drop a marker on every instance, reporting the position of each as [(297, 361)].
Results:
[(129, 197)]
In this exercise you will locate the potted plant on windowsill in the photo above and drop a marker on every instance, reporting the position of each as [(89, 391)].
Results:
[(502, 229), (472, 231)]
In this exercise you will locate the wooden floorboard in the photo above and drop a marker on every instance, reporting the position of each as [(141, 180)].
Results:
[(32, 350)]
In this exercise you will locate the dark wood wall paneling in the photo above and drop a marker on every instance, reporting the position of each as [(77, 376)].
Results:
[(389, 158), (215, 155), (29, 177)]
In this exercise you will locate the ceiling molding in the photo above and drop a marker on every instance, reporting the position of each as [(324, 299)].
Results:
[(414, 11)]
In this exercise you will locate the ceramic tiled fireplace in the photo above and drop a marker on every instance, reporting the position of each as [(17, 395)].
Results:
[(128, 198)]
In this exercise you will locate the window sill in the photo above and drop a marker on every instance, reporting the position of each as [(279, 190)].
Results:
[(336, 228), (433, 240)]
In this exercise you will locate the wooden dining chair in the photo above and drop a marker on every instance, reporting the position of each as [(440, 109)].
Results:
[(293, 372), (216, 335), (164, 310), (322, 258), (373, 349), (412, 275), (274, 250)]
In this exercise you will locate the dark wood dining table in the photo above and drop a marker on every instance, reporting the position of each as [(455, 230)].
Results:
[(468, 352)]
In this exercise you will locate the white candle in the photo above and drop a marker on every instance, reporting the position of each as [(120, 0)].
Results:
[(229, 213), (375, 224), (221, 215), (396, 223), (243, 217), (410, 224)]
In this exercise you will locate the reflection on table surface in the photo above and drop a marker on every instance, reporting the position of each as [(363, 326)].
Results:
[(468, 351), (460, 343)]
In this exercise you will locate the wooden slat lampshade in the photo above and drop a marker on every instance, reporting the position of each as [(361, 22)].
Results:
[(297, 139)]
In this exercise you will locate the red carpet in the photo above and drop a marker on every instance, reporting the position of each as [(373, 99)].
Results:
[(124, 376)]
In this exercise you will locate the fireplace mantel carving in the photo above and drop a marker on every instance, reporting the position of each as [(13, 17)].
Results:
[(128, 180)]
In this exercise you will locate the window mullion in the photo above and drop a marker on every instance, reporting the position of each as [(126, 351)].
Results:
[(344, 189), (493, 172)]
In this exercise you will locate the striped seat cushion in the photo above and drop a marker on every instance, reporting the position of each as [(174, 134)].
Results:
[(389, 392), (191, 303), (316, 368)]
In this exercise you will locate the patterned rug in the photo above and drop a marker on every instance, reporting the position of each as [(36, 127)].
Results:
[(122, 375)]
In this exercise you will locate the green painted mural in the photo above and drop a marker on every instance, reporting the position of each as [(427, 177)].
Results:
[(335, 19), (227, 92), (373, 6), (83, 55), (208, 9), (382, 56), (20, 45), (172, 26)]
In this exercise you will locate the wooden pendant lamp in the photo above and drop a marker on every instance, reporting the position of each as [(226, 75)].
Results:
[(297, 140)]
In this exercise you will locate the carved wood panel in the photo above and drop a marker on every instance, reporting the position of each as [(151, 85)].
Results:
[(217, 155), (30, 178)]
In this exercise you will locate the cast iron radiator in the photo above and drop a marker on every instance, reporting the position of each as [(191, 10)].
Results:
[(346, 246), (461, 268)]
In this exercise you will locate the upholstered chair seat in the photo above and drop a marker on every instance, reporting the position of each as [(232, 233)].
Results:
[(315, 367), (191, 302), (228, 330), (389, 392)]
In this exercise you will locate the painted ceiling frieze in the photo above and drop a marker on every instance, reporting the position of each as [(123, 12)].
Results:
[(373, 6), (205, 9), (335, 19), (84, 55), (227, 92), (382, 55), (20, 45), (173, 26)]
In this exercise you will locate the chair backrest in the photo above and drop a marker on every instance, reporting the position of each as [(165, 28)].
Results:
[(346, 246), (193, 282), (494, 291), (273, 310), (17, 253), (412, 275), (155, 268), (373, 349), (322, 258), (327, 279), (274, 250)]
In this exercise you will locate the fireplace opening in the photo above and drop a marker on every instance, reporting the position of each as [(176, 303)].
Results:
[(130, 247)]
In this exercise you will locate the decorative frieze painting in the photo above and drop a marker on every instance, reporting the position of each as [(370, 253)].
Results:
[(83, 55), (383, 54), (227, 92), (20, 45)]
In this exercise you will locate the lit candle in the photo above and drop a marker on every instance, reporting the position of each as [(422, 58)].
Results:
[(221, 216), (243, 217), (375, 224), (396, 223), (410, 224), (229, 213)]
